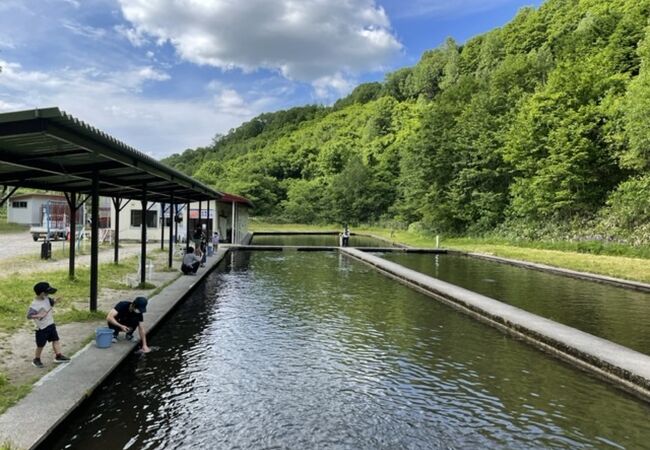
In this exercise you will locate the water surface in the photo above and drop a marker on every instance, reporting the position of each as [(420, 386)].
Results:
[(328, 240), (300, 350), (616, 314)]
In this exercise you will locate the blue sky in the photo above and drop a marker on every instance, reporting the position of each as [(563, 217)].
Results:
[(167, 75)]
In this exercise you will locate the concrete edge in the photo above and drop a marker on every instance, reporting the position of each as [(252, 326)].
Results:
[(292, 233), (619, 365), (58, 393), (247, 238)]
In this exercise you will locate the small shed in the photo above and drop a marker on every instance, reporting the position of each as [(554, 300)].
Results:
[(27, 209)]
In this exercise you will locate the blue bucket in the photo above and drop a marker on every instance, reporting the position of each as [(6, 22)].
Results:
[(103, 337)]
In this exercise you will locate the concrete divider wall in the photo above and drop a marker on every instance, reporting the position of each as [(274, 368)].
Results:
[(626, 368)]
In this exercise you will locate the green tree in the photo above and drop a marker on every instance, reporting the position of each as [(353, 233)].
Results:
[(304, 202), (357, 195), (637, 114)]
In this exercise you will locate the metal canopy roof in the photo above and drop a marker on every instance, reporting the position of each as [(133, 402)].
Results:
[(51, 150)]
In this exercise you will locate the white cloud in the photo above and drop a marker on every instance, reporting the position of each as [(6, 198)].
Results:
[(6, 106), (112, 103), (302, 39), (334, 86), (84, 30), (228, 100), (6, 42), (149, 73), (136, 38)]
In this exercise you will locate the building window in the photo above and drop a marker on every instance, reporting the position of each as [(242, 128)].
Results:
[(136, 218), (19, 204)]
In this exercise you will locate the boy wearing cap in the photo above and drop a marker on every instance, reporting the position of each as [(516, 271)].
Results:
[(127, 316), (41, 312)]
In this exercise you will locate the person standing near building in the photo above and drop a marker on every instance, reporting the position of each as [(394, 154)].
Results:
[(197, 238), (215, 240), (40, 311)]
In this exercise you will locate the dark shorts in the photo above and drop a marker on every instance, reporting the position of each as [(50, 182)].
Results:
[(190, 269), (132, 324), (47, 334)]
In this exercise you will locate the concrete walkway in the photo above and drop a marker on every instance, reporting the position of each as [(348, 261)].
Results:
[(620, 365), (58, 393)]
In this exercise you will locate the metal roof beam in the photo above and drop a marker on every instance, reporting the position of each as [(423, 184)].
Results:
[(22, 128), (63, 134), (45, 144)]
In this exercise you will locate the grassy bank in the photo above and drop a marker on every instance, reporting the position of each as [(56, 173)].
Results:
[(614, 260), (16, 291)]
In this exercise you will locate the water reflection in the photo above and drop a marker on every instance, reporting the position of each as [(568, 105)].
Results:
[(599, 309), (309, 350)]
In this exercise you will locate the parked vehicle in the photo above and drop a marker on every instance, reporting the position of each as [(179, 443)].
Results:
[(53, 234), (54, 222)]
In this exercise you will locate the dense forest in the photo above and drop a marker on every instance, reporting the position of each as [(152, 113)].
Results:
[(537, 129)]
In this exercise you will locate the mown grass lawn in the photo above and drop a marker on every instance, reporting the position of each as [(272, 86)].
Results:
[(16, 291)]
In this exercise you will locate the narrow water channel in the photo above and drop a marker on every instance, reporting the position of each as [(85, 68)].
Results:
[(326, 240), (316, 351), (616, 314)]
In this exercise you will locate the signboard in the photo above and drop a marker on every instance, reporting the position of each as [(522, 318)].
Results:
[(205, 214)]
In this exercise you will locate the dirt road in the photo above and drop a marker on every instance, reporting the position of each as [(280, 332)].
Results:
[(21, 244)]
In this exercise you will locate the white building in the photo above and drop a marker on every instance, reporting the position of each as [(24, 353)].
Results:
[(222, 219), (27, 209)]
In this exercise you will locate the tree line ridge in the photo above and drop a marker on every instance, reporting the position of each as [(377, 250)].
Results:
[(536, 129)]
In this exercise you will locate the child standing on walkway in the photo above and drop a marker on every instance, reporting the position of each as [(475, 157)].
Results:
[(41, 312)]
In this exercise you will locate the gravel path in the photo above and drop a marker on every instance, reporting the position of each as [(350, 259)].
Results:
[(21, 244), (18, 244)]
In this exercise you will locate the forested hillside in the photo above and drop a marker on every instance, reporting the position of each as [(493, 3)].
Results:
[(539, 128)]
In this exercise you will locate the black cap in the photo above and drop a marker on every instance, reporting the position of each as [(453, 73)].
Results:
[(44, 286), (141, 304)]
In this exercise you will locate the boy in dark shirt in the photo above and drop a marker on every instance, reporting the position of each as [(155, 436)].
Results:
[(127, 316)]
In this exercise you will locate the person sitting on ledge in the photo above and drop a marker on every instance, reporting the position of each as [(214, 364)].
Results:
[(191, 262)]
